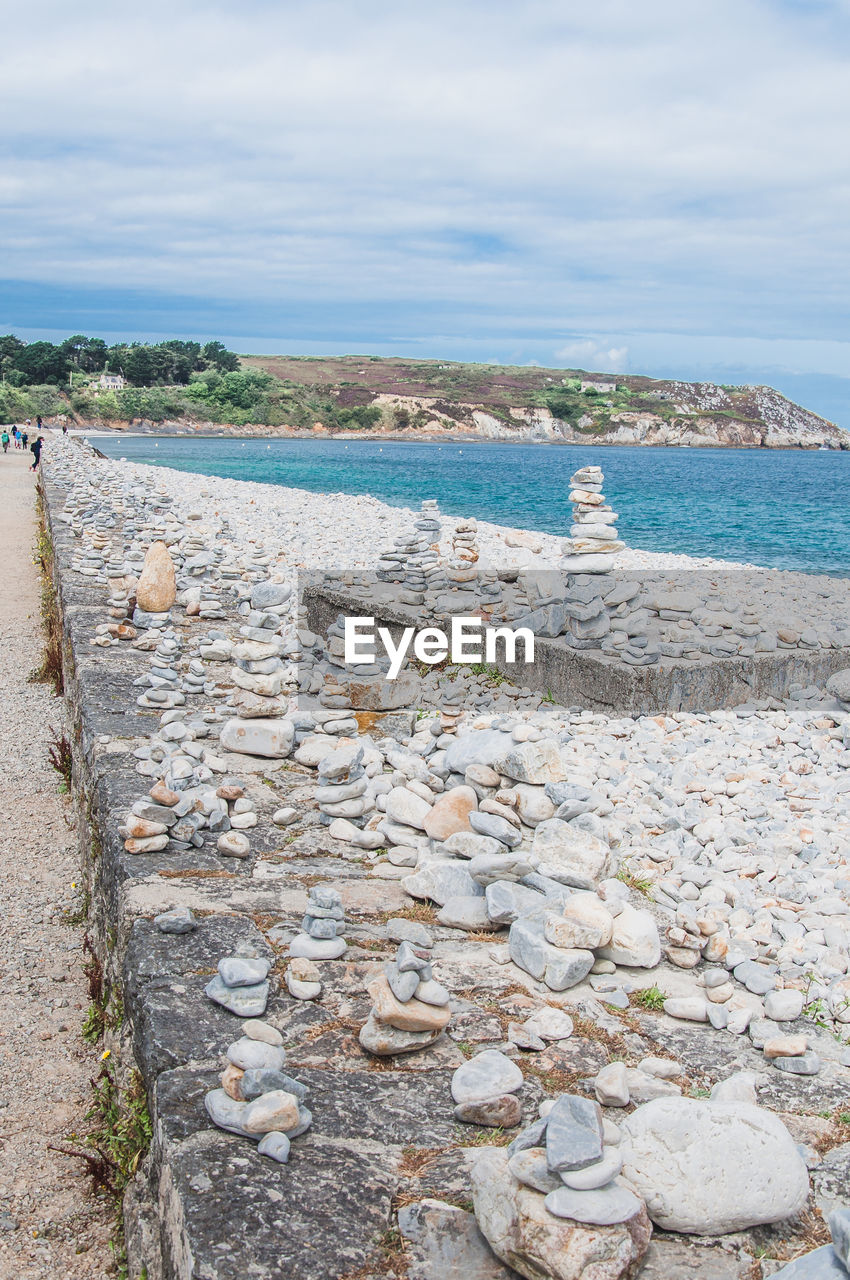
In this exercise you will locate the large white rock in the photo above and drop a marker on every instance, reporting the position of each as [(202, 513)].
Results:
[(708, 1168), (407, 807), (571, 855), (521, 1231), (270, 738), (634, 940), (535, 762)]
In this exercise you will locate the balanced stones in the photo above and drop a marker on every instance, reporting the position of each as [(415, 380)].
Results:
[(410, 1009)]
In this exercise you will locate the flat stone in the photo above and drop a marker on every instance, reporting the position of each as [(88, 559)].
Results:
[(819, 1264), (487, 1075), (272, 738), (604, 1207), (317, 948), (177, 920), (573, 1133), (385, 1041), (806, 1064), (413, 1015), (245, 1002), (226, 1113), (595, 1175), (239, 971), (503, 1112), (255, 1029), (256, 1055), (444, 1241)]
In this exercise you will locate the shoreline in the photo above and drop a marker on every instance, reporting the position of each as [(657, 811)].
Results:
[(398, 437), (632, 558), (270, 501)]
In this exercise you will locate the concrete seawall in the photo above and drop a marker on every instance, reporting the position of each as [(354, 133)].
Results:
[(205, 1205)]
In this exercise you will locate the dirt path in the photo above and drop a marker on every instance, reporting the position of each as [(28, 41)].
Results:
[(50, 1225)]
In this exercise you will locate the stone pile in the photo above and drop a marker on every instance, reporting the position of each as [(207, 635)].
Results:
[(319, 937), (593, 541), (485, 1089), (241, 985), (414, 561), (257, 1099), (552, 1203), (343, 789), (410, 1010)]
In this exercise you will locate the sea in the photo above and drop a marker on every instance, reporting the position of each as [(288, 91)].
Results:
[(784, 509)]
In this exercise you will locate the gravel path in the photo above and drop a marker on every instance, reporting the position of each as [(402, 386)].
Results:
[(50, 1224)]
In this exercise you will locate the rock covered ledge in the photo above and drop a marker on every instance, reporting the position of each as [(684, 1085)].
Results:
[(608, 927)]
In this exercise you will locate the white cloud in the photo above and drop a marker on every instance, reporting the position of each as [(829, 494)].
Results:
[(605, 168), (595, 356)]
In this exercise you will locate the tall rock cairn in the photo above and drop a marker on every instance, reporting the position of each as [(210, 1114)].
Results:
[(593, 541)]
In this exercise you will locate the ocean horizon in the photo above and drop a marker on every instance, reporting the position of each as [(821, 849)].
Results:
[(783, 509)]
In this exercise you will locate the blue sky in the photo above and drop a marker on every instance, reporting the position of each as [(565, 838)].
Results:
[(653, 188)]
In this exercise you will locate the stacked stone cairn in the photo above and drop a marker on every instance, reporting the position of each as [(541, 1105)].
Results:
[(551, 1203), (593, 540), (262, 679), (414, 561), (410, 1010), (241, 985), (257, 1099), (319, 937)]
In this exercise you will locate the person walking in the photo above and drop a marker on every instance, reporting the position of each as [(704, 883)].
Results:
[(4, 440), (35, 450), (24, 439), (37, 423), (15, 436)]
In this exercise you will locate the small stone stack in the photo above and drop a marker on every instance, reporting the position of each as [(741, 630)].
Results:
[(319, 938), (556, 1196), (156, 590), (256, 1099), (593, 540), (453, 698), (241, 985), (343, 787), (409, 1009), (414, 561)]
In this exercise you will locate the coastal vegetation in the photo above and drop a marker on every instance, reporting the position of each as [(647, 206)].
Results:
[(193, 386)]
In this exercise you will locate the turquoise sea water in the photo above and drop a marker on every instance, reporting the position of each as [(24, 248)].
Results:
[(784, 509)]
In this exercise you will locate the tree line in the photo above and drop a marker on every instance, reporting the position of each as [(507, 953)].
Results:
[(141, 364)]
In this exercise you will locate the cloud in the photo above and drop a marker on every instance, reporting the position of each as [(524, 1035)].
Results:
[(588, 354), (380, 171)]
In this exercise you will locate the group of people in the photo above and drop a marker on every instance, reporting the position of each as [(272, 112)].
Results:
[(20, 438)]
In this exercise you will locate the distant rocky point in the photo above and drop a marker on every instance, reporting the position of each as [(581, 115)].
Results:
[(368, 397)]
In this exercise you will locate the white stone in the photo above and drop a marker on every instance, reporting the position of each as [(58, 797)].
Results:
[(270, 738), (708, 1168), (634, 940)]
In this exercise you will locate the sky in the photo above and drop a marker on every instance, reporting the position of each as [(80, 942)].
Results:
[(657, 187)]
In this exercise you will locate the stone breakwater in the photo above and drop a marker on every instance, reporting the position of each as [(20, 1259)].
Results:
[(477, 984)]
